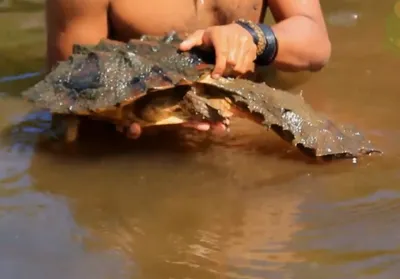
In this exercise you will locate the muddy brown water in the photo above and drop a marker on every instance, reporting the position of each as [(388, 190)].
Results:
[(191, 206)]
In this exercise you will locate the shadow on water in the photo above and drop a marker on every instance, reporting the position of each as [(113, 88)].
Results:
[(98, 139)]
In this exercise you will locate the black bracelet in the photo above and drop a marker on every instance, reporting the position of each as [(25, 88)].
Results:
[(256, 32), (271, 49), (264, 38)]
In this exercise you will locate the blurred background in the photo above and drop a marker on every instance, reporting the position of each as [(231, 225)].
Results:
[(191, 206)]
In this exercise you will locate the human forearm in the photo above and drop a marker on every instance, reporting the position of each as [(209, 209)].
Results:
[(302, 44), (73, 21)]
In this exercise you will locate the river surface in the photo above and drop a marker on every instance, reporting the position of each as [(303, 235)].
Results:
[(187, 207)]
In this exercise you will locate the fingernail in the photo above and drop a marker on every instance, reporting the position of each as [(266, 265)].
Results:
[(216, 76), (184, 44)]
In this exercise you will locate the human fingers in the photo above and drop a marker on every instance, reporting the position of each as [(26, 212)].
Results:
[(220, 42), (195, 39), (204, 126), (201, 126), (218, 127), (134, 131), (233, 42), (246, 57)]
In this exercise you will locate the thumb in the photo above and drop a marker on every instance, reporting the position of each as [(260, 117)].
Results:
[(195, 39)]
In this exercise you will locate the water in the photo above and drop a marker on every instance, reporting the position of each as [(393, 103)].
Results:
[(245, 209)]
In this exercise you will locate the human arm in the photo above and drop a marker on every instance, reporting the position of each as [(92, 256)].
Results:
[(73, 21), (302, 39)]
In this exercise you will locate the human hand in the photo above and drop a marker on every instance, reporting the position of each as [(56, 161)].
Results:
[(135, 130), (234, 47)]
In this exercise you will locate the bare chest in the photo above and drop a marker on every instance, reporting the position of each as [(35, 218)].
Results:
[(131, 18)]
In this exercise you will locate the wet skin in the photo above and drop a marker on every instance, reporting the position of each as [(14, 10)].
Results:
[(300, 30)]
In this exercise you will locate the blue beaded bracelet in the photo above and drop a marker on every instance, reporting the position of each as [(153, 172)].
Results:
[(269, 46), (271, 49)]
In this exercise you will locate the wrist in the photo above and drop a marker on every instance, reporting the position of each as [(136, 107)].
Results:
[(270, 51), (256, 32), (265, 40)]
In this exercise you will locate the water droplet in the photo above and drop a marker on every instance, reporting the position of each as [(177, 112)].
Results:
[(154, 49), (343, 18)]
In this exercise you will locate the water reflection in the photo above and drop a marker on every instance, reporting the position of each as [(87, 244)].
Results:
[(37, 230), (28, 252), (18, 77), (187, 216), (195, 213)]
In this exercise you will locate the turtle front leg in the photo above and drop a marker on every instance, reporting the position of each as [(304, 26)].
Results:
[(72, 129), (68, 124)]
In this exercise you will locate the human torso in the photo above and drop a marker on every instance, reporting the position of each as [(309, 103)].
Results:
[(131, 18)]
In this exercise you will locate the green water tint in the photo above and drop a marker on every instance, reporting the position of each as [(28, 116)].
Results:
[(393, 30), (232, 207), (22, 43)]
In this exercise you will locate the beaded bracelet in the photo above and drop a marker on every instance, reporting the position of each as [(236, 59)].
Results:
[(264, 38)]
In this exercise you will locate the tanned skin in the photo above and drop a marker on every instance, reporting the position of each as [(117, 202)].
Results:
[(300, 29)]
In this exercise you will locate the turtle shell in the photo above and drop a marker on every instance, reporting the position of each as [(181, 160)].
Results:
[(101, 80), (110, 74)]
